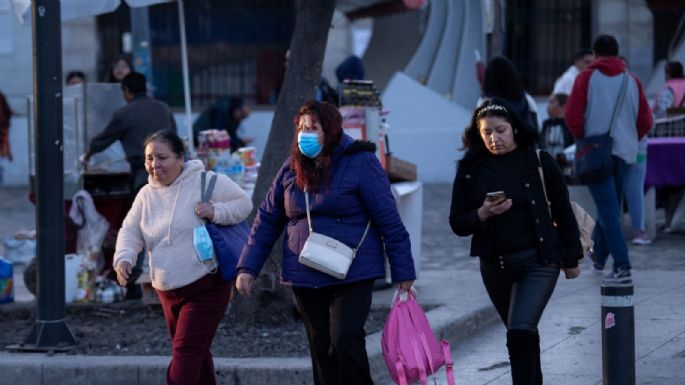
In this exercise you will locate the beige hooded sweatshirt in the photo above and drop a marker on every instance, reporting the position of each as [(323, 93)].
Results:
[(162, 219)]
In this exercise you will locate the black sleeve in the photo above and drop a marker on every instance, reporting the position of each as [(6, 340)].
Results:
[(463, 213), (562, 213), (113, 132)]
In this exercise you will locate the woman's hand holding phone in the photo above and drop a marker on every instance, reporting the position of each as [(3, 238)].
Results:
[(495, 203)]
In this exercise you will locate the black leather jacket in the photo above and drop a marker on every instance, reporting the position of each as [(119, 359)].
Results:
[(558, 242)]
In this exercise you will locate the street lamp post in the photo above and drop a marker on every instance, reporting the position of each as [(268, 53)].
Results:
[(50, 333)]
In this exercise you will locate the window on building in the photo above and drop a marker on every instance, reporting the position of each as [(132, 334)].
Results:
[(235, 48), (542, 37)]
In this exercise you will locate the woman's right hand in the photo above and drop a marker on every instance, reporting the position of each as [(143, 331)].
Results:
[(123, 269), (490, 209), (244, 283)]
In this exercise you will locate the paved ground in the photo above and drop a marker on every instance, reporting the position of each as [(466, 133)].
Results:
[(570, 327)]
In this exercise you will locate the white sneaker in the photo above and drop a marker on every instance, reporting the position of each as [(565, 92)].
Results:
[(621, 275), (641, 238), (597, 271)]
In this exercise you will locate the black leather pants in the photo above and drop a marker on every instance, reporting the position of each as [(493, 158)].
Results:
[(519, 286)]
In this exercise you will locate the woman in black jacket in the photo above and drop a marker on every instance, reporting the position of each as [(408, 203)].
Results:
[(521, 248)]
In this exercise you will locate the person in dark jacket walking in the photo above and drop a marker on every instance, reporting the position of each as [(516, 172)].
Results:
[(347, 189), (520, 249)]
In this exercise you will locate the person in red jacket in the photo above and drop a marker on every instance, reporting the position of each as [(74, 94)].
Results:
[(588, 113)]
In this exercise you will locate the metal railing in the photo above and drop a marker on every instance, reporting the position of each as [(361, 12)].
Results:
[(671, 126)]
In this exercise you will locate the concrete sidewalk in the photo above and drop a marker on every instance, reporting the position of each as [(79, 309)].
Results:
[(571, 330), (570, 327)]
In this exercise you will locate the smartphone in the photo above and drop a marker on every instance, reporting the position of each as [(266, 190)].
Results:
[(496, 196)]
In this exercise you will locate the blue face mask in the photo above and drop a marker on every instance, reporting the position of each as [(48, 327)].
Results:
[(203, 245), (308, 142)]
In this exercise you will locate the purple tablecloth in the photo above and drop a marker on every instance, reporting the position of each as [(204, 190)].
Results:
[(665, 162)]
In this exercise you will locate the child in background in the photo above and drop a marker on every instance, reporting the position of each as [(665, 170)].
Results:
[(555, 137)]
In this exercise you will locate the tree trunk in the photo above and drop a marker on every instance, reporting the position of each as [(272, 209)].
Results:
[(270, 301)]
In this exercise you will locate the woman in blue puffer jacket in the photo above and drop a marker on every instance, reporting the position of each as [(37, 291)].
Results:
[(347, 188)]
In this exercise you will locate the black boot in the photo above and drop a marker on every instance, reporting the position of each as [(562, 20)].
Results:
[(523, 348), (538, 375)]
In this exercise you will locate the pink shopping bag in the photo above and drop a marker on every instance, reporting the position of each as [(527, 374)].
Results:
[(410, 348)]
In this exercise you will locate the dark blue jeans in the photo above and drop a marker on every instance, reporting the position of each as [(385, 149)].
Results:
[(608, 235)]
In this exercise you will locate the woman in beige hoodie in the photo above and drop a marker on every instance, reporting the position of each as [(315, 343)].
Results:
[(165, 212)]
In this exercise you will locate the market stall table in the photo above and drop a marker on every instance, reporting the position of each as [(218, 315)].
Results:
[(665, 167)]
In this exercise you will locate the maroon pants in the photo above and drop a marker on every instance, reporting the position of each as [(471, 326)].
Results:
[(192, 315)]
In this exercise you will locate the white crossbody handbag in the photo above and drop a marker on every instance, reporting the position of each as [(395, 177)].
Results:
[(326, 254)]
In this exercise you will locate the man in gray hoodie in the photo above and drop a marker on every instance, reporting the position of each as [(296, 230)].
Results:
[(588, 111)]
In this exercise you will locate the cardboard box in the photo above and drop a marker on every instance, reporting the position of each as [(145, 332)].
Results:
[(399, 170)]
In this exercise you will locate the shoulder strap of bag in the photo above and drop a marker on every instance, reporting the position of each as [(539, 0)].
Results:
[(619, 101), (542, 180), (311, 229), (206, 193)]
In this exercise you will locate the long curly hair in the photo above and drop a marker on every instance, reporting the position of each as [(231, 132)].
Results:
[(524, 134), (316, 173)]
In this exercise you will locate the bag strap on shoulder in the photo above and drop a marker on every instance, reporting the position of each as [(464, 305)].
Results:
[(544, 184), (619, 101), (311, 229), (206, 193)]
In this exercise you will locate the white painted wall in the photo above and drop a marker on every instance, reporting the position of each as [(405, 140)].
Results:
[(425, 128), (630, 21), (257, 126)]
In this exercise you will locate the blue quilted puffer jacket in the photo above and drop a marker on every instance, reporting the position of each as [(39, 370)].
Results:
[(359, 191)]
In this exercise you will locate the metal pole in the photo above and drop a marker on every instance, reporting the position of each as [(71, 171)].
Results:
[(142, 57), (618, 335), (186, 81), (50, 332)]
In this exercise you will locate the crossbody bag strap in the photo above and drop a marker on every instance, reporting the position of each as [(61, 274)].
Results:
[(311, 229), (619, 102), (368, 225), (203, 179), (544, 187), (207, 188), (306, 201)]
